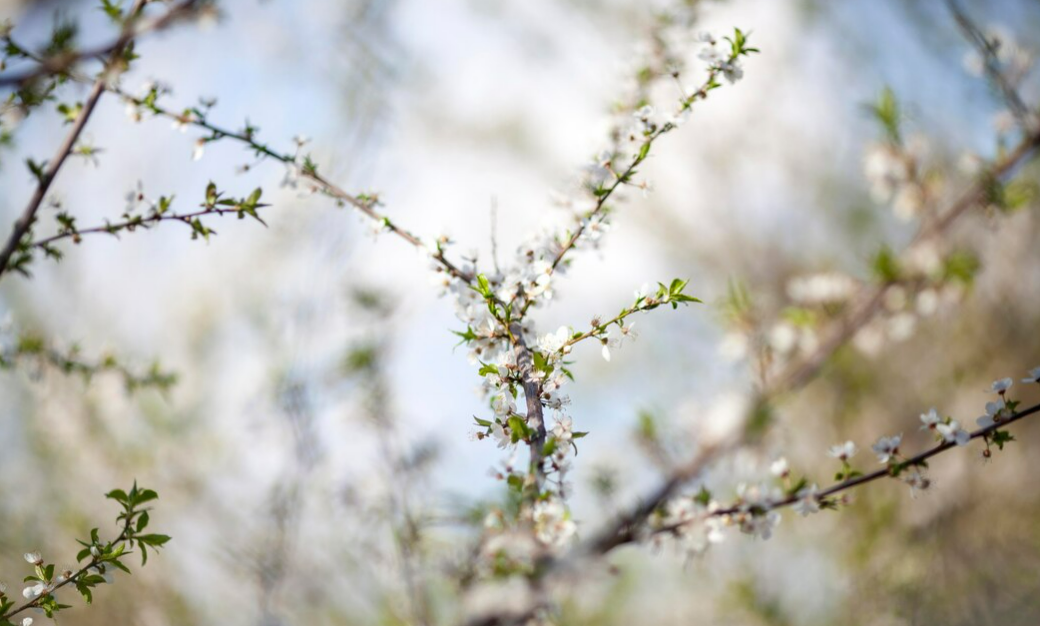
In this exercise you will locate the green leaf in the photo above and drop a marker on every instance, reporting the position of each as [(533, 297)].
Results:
[(85, 592), (254, 197), (153, 540), (37, 169), (647, 428), (886, 265), (703, 496), (798, 486), (467, 336), (1000, 437), (483, 286), (643, 151), (114, 10), (886, 111), (515, 482), (541, 363), (146, 495), (113, 553), (120, 566), (211, 194), (961, 267), (517, 428)]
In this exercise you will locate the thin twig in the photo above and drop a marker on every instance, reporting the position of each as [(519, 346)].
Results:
[(71, 579), (494, 234), (626, 527), (885, 472), (144, 222), (330, 189), (869, 302), (991, 63), (623, 178), (25, 222), (134, 27)]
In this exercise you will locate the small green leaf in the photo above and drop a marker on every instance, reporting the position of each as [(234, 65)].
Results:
[(644, 150), (84, 590), (886, 265), (146, 495), (1000, 437), (703, 496), (517, 428)]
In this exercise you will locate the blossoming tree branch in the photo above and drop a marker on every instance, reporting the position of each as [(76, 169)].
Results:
[(525, 370)]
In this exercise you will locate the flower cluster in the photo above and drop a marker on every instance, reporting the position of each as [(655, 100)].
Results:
[(522, 367), (697, 521), (894, 171), (928, 277), (97, 560)]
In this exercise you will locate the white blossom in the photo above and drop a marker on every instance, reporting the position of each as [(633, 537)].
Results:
[(821, 288), (710, 55), (502, 438), (133, 112), (564, 429), (35, 590), (780, 468), (973, 63), (552, 524), (181, 122), (952, 432), (916, 480), (930, 420), (885, 170), (808, 502), (732, 71), (1001, 386), (759, 525), (645, 112), (783, 337), (503, 406), (843, 451), (901, 326), (136, 200), (1034, 376), (681, 116), (995, 413), (887, 448), (734, 346), (1003, 121)]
